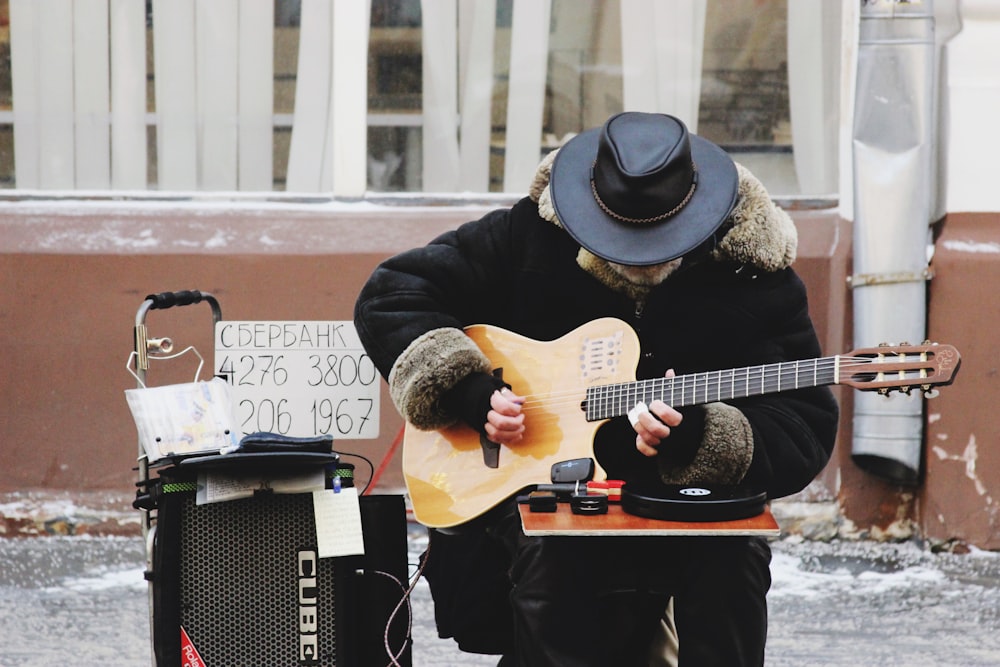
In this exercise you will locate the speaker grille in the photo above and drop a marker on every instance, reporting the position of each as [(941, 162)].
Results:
[(240, 583)]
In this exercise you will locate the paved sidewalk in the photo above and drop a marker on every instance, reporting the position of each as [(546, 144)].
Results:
[(82, 601), (77, 596)]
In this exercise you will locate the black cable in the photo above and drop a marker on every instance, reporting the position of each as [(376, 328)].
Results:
[(371, 469)]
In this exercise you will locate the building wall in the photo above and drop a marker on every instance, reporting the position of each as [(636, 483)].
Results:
[(74, 274), (959, 497)]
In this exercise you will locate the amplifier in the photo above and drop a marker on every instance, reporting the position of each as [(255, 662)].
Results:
[(240, 584)]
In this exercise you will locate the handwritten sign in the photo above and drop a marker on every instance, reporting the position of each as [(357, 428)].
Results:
[(299, 378)]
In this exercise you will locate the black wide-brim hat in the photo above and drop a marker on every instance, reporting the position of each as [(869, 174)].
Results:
[(641, 189)]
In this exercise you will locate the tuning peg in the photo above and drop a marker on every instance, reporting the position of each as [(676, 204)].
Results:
[(929, 392), (907, 389), (884, 391), (904, 344)]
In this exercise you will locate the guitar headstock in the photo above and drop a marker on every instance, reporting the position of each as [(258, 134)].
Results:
[(901, 367)]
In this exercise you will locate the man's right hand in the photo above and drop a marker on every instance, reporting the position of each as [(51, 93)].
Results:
[(505, 420)]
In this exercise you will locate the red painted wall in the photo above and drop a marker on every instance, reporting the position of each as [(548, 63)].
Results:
[(72, 277)]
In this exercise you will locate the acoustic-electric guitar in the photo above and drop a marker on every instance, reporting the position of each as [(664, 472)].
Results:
[(575, 383)]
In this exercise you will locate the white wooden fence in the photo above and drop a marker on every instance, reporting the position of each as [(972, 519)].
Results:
[(82, 108)]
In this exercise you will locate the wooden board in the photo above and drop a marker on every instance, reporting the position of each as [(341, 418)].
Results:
[(617, 523)]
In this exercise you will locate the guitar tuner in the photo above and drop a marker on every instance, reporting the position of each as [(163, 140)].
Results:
[(573, 470)]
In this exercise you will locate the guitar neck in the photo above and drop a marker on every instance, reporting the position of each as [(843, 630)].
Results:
[(613, 400)]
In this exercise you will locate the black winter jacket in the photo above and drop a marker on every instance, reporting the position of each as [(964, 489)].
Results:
[(738, 305)]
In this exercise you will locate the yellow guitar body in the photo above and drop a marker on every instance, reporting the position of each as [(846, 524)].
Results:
[(446, 475)]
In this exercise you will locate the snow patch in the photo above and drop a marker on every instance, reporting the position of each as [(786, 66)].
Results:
[(131, 578), (792, 577), (971, 246)]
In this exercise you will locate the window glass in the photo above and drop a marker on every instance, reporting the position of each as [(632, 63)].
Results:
[(6, 101), (744, 100), (743, 85)]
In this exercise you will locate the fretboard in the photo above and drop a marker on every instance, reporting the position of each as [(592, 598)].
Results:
[(613, 400)]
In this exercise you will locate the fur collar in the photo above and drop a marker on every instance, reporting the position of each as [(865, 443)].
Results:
[(760, 235)]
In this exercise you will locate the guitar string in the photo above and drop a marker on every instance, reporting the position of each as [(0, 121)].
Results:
[(711, 381), (706, 384)]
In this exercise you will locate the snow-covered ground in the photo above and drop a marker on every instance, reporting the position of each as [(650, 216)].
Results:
[(82, 601)]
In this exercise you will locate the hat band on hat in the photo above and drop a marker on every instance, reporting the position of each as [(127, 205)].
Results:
[(663, 216)]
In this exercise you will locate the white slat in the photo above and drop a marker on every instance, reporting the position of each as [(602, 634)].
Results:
[(55, 72), (174, 82), (639, 71), (92, 103), (440, 95), (662, 47), (217, 44), (477, 31), (813, 88), (312, 98), (128, 94), (679, 57), (25, 25), (349, 104), (526, 97), (256, 95), (971, 86)]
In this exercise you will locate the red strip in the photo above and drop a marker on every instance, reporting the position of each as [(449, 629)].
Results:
[(612, 488), (189, 654), (385, 460)]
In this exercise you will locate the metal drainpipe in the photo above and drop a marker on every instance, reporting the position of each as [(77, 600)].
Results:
[(894, 149)]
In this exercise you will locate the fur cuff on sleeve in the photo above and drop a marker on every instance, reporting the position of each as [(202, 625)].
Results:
[(430, 366), (725, 452)]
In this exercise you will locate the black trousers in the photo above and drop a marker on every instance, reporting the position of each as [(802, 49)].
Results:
[(585, 601)]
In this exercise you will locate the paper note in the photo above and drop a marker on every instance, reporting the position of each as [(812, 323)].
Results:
[(338, 523), (185, 418), (217, 487)]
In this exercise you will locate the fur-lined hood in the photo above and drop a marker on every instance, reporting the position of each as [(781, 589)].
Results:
[(759, 234)]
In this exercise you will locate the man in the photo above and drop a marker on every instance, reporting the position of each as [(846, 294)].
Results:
[(642, 221)]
